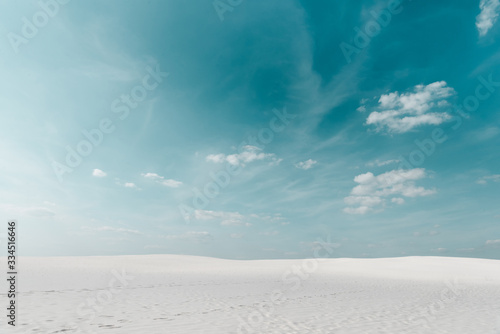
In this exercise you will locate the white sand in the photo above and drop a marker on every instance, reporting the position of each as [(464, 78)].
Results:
[(186, 294)]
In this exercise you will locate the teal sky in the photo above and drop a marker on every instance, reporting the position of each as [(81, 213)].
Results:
[(251, 129)]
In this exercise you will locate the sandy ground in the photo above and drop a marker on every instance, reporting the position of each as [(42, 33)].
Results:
[(186, 294)]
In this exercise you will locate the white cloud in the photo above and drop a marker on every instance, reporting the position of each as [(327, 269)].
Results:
[(493, 242), (194, 236), (249, 154), (98, 173), (111, 229), (269, 233), (236, 235), (225, 218), (488, 16), (161, 180), (209, 215), (368, 201), (357, 211), (485, 179), (305, 165), (399, 113), (35, 211), (398, 200), (39, 212), (217, 158), (371, 190), (129, 185), (379, 163)]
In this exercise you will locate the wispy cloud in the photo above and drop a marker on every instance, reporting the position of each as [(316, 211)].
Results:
[(111, 229), (371, 191), (161, 180), (194, 236), (35, 211), (225, 218), (305, 165), (488, 16), (379, 163), (269, 233), (249, 154), (486, 179), (399, 113)]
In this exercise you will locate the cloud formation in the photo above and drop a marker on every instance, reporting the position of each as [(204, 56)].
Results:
[(225, 218), (111, 229), (305, 165), (488, 16), (194, 236), (98, 173), (371, 191), (379, 163), (161, 180), (399, 113), (486, 179), (249, 154)]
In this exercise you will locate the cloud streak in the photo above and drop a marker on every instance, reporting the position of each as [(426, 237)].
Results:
[(249, 154), (161, 180)]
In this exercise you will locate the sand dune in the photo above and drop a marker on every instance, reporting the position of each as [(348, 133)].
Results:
[(187, 294)]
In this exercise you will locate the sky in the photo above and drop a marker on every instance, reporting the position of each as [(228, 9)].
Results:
[(251, 129)]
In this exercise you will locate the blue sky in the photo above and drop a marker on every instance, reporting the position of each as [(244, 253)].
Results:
[(251, 129)]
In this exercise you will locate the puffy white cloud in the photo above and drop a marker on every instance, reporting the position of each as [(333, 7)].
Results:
[(371, 191), (399, 113), (486, 179), (493, 242), (249, 154), (305, 165), (130, 185), (161, 180), (98, 173), (488, 16)]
